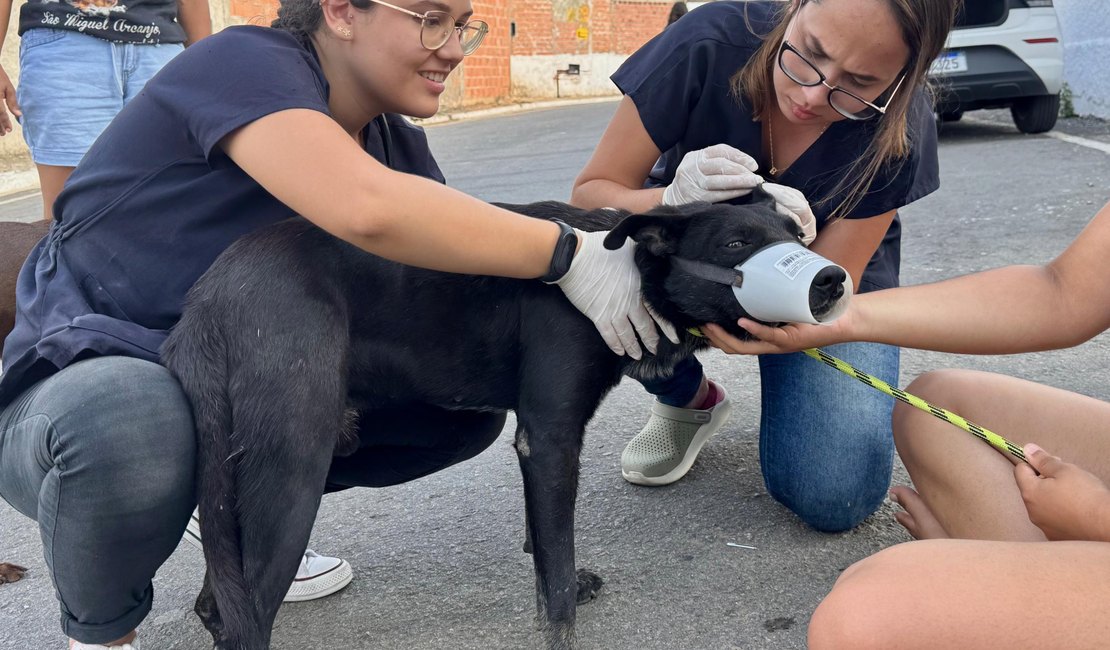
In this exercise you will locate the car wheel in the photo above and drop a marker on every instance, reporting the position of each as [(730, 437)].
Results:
[(1036, 114), (950, 116)]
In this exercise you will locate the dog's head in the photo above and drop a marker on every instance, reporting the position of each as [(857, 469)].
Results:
[(688, 254)]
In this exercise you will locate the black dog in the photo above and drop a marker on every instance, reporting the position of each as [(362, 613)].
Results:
[(292, 331)]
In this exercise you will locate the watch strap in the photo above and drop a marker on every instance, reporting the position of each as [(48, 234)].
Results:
[(563, 255)]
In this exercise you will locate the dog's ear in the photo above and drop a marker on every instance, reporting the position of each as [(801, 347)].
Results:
[(658, 231), (761, 196)]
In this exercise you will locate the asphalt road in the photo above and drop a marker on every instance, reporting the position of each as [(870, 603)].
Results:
[(438, 563)]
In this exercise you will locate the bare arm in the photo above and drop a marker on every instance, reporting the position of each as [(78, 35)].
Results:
[(7, 89), (1001, 311), (614, 176), (194, 17), (309, 163)]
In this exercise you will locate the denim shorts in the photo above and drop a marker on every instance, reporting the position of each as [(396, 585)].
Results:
[(71, 85)]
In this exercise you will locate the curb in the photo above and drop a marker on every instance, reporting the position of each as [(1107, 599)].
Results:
[(516, 107)]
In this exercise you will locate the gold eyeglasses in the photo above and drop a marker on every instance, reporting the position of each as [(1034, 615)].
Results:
[(436, 28)]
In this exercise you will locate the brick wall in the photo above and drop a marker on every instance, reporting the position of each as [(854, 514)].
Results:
[(253, 12), (611, 26), (485, 74), (580, 29)]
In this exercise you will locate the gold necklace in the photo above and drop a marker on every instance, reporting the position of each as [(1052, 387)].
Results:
[(771, 142)]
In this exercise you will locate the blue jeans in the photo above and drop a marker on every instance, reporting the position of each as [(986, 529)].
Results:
[(825, 444), (102, 456), (71, 85)]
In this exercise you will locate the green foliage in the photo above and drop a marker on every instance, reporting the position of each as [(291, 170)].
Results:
[(1067, 105)]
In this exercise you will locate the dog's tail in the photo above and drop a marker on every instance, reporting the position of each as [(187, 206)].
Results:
[(201, 365)]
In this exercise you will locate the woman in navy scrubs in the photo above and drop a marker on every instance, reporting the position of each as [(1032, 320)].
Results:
[(246, 128), (825, 96)]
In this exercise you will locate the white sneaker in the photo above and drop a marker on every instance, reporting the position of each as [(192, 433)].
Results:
[(317, 576), (134, 645)]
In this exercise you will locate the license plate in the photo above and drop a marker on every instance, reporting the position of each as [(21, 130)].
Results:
[(949, 62)]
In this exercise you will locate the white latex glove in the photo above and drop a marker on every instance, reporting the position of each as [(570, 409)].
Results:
[(792, 203), (713, 174), (605, 286)]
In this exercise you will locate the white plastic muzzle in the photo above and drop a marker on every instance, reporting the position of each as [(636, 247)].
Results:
[(778, 281)]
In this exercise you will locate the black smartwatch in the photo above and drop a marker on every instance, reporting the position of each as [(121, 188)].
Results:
[(563, 255)]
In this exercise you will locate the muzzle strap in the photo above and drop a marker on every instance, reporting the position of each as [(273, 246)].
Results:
[(719, 274)]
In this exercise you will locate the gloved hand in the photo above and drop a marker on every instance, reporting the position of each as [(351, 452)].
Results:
[(713, 174), (792, 203), (605, 286)]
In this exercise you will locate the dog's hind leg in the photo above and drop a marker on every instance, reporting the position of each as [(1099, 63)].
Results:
[(286, 434), (268, 412)]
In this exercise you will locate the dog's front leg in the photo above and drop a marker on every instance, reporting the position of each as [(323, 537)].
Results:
[(549, 464)]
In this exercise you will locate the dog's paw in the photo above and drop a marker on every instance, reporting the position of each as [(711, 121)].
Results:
[(589, 584), (11, 572)]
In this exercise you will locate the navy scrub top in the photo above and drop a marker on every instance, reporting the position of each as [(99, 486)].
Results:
[(155, 201), (680, 84)]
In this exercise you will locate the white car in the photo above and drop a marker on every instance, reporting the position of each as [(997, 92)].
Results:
[(1003, 53)]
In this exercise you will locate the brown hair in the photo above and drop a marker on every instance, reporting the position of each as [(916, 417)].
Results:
[(302, 18), (925, 25)]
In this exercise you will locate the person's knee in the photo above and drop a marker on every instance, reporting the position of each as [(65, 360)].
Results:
[(913, 427), (837, 499), (872, 605), (850, 616), (132, 421), (835, 513)]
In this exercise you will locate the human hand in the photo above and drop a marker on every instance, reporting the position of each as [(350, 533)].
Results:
[(792, 203), (605, 286), (791, 337), (716, 173), (7, 93), (1065, 502)]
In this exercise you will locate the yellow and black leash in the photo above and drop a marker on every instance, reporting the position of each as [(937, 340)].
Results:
[(988, 436), (984, 434)]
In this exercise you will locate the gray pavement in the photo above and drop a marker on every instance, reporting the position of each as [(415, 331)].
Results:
[(438, 563)]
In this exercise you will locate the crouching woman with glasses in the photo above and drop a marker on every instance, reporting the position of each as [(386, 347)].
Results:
[(249, 127), (824, 97)]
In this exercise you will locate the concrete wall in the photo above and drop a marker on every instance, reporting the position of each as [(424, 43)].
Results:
[(1086, 34), (534, 76), (597, 35)]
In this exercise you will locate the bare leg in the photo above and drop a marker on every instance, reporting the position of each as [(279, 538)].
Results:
[(966, 484), (971, 595), (51, 180)]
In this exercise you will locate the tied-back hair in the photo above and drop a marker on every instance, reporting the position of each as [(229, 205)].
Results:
[(925, 25), (678, 10), (302, 18)]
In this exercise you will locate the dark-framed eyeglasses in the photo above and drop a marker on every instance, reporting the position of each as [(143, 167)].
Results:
[(436, 28), (803, 72)]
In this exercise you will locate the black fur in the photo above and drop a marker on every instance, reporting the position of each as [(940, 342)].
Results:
[(293, 331)]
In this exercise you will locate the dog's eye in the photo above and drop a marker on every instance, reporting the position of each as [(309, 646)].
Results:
[(739, 243)]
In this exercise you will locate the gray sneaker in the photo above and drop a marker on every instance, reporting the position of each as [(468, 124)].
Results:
[(669, 443)]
